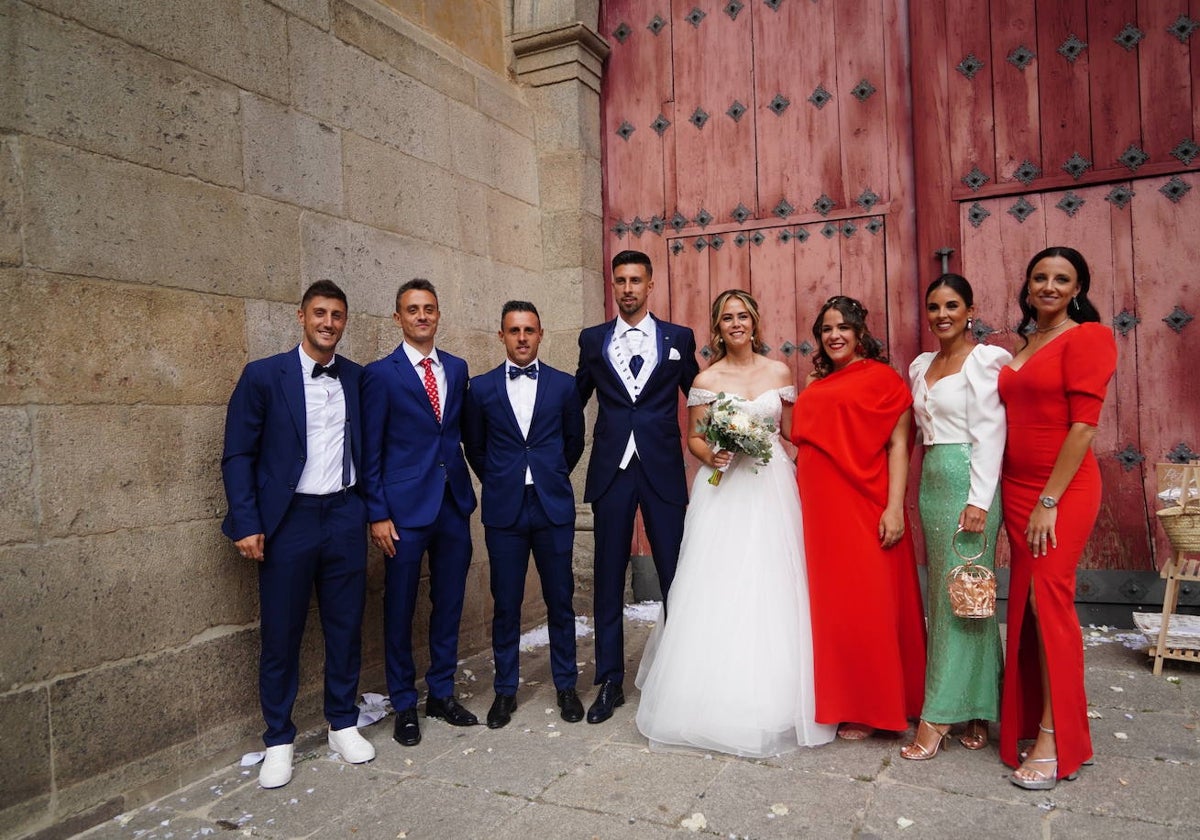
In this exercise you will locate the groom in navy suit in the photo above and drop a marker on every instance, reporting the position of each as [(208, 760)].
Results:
[(637, 366), (419, 500), (523, 434), (290, 468)]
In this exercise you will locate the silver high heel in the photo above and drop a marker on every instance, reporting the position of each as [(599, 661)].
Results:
[(1042, 781)]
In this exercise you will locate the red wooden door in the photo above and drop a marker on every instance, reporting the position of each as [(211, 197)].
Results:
[(1074, 122), (763, 146)]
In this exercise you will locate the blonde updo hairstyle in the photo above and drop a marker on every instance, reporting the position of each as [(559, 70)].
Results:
[(715, 342)]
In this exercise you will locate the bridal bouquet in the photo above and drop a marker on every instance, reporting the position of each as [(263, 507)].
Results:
[(728, 426)]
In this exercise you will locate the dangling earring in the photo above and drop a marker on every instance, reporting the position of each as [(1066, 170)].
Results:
[(970, 323), (1075, 302), (721, 340)]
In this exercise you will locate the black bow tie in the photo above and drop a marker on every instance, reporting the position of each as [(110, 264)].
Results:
[(514, 372), (331, 370)]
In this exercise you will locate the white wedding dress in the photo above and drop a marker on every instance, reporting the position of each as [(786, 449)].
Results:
[(731, 668)]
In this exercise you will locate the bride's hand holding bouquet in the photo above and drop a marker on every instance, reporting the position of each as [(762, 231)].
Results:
[(727, 426)]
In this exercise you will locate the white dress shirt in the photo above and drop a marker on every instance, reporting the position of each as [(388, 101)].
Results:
[(629, 340), (522, 395), (439, 371), (325, 428), (965, 407)]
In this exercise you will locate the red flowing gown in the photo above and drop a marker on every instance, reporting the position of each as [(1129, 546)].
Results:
[(868, 626), (1063, 383)]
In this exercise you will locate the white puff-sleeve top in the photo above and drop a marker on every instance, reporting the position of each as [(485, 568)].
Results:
[(965, 407)]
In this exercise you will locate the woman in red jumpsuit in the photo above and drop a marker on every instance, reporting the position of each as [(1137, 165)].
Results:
[(1050, 484)]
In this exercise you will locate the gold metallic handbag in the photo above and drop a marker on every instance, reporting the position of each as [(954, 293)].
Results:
[(972, 588)]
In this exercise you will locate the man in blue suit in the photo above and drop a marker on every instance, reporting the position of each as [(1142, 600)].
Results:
[(523, 434), (637, 366), (419, 499), (292, 453)]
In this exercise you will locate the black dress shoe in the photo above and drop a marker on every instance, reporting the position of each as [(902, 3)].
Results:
[(611, 695), (450, 710), (501, 712), (571, 705), (407, 731)]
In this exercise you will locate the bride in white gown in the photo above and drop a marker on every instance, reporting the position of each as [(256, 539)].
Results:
[(731, 668)]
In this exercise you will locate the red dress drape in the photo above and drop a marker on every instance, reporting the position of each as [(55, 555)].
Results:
[(867, 621), (1063, 383)]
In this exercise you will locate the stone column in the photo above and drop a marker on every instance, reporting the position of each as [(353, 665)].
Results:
[(559, 56)]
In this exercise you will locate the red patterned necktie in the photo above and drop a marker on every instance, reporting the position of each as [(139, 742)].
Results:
[(431, 388)]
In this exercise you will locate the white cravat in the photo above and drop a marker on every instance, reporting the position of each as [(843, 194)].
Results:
[(522, 395), (628, 340), (325, 430)]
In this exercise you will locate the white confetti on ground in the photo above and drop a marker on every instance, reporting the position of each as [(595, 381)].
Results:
[(695, 822), (646, 611), (779, 810), (1121, 736), (904, 822), (539, 636)]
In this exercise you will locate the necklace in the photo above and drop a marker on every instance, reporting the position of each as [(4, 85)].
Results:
[(1054, 327)]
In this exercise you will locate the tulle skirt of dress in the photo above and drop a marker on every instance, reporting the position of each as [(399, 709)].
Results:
[(731, 668)]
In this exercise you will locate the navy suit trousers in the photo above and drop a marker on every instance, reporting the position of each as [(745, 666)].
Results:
[(508, 552), (321, 542), (614, 516), (448, 542)]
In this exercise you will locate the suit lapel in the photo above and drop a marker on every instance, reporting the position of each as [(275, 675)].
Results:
[(350, 390), (498, 381), (411, 380), (539, 396), (291, 380)]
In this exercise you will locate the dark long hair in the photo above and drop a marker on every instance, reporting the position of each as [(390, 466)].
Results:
[(855, 315), (955, 283), (1080, 309)]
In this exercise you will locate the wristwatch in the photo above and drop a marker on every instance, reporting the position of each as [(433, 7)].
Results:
[(1048, 502)]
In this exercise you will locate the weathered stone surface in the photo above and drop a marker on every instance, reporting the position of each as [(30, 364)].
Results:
[(444, 810), (569, 180), (476, 28), (104, 468), (392, 40), (86, 214), (241, 41), (573, 239), (504, 103), (419, 199), (61, 597), (474, 152), (18, 491), (568, 117), (232, 696), (172, 347), (88, 90), (108, 718), (341, 85), (315, 12), (25, 755), (517, 166), (290, 156), (514, 231), (11, 204), (368, 263)]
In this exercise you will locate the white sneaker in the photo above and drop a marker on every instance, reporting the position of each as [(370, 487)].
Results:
[(350, 745), (276, 767)]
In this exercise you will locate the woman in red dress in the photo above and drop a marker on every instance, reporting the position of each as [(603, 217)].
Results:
[(1050, 486), (850, 425)]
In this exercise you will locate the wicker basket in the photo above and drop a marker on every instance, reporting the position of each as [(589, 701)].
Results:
[(972, 588), (1182, 524), (1181, 521)]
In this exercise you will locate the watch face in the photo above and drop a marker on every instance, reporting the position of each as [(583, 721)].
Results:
[(1049, 501)]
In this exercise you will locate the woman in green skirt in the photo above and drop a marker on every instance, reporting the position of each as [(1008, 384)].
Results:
[(958, 411)]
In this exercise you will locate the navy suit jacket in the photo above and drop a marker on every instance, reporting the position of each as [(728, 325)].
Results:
[(653, 420), (266, 440), (408, 456), (499, 453)]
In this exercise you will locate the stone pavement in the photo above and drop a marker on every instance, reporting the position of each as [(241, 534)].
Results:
[(543, 778)]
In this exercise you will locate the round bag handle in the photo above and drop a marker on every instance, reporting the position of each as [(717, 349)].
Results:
[(964, 557)]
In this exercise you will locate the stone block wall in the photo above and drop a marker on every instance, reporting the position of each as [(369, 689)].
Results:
[(172, 176)]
